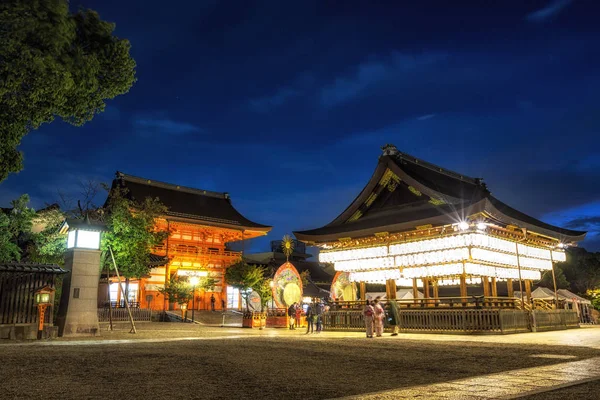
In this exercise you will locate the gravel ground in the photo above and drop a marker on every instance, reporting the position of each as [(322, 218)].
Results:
[(270, 364), (586, 391)]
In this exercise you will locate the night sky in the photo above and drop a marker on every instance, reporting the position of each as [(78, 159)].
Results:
[(285, 105)]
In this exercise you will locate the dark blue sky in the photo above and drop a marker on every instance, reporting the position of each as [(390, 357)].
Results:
[(285, 104)]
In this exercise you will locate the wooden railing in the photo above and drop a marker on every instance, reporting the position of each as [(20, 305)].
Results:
[(550, 320), (190, 250), (473, 302), (438, 321), (120, 314)]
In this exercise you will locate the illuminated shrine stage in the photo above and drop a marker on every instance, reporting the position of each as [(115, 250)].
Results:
[(418, 225)]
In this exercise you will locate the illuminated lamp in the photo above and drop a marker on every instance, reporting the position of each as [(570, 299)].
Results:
[(83, 234), (561, 245), (463, 225), (43, 298), (481, 226)]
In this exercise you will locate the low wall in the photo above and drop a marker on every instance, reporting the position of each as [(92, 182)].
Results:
[(121, 314), (27, 332)]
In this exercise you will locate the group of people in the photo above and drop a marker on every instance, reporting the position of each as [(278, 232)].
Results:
[(374, 316), (314, 314)]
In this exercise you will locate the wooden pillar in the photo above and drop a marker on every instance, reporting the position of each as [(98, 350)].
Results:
[(393, 290), (415, 290), (509, 286), (528, 289), (363, 290), (425, 287), (463, 285), (494, 288), (486, 286), (436, 289)]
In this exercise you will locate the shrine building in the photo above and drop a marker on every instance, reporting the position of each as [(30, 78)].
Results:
[(419, 225), (201, 224)]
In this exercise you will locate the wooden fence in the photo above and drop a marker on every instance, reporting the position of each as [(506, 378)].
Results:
[(551, 320), (473, 302), (120, 314), (17, 297), (438, 321)]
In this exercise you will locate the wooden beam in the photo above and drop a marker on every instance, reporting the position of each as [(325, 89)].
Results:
[(494, 288), (363, 290), (509, 286)]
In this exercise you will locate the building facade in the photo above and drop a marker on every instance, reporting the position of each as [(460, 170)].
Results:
[(417, 224), (201, 224)]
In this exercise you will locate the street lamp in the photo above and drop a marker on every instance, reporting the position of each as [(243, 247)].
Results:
[(194, 281), (43, 298)]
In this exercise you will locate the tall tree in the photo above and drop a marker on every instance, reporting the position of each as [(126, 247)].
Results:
[(179, 289), (54, 63), (247, 278), (548, 282), (131, 232)]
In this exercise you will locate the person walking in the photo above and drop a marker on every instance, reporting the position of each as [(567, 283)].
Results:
[(212, 302), (310, 319), (379, 316), (369, 315), (292, 316)]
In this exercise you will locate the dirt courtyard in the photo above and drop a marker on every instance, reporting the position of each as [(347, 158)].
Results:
[(222, 363)]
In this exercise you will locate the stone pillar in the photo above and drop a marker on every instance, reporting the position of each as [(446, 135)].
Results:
[(78, 310)]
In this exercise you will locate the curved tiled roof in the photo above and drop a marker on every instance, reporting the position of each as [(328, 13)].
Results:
[(187, 203)]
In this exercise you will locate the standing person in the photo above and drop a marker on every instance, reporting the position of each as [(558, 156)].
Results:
[(379, 316), (292, 316), (393, 315), (298, 315), (212, 302), (319, 315), (369, 315), (310, 319), (223, 305)]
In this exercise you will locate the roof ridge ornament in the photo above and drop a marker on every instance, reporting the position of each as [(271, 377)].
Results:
[(389, 150)]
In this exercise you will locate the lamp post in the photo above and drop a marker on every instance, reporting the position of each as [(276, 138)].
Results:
[(78, 310), (194, 281), (43, 298)]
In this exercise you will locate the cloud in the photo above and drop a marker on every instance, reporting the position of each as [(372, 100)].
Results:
[(147, 124), (425, 117), (584, 223), (396, 66), (544, 14), (267, 103)]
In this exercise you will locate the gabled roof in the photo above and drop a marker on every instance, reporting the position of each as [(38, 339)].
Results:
[(187, 203), (405, 192)]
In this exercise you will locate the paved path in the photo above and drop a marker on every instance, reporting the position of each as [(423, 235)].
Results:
[(505, 385)]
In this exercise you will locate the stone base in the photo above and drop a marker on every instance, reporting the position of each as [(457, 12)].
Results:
[(27, 332)]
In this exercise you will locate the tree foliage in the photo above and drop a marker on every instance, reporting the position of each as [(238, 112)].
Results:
[(54, 63), (15, 223), (180, 290), (561, 280), (247, 278), (131, 232), (582, 270)]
